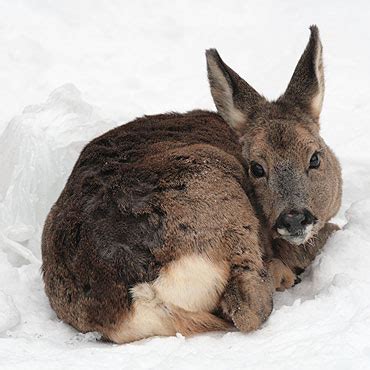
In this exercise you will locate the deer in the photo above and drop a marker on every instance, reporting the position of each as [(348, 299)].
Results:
[(189, 222)]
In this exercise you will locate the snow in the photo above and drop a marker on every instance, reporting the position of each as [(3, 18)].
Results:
[(71, 70)]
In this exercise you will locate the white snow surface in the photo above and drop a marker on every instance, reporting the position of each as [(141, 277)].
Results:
[(70, 70)]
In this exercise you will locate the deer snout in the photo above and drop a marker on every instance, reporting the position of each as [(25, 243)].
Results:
[(295, 225)]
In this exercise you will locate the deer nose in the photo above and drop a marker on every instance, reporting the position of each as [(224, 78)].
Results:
[(294, 222)]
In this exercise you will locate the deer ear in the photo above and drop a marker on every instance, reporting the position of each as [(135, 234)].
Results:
[(306, 87), (235, 99)]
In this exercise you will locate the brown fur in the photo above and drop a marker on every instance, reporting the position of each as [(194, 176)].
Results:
[(282, 275), (161, 228)]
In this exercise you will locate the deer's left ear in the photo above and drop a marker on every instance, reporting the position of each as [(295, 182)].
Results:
[(234, 98), (306, 87)]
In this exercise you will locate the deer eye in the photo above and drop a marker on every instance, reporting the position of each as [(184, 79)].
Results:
[(315, 160), (257, 170)]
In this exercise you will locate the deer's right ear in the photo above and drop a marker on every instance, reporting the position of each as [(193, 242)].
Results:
[(235, 99), (306, 87)]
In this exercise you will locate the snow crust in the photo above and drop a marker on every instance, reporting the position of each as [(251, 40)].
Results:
[(87, 66)]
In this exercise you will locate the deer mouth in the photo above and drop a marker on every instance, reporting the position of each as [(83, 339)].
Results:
[(298, 238), (295, 226)]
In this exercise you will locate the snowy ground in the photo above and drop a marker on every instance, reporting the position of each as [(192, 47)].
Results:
[(69, 70)]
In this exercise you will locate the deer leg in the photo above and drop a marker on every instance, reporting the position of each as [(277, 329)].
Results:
[(282, 275), (247, 300)]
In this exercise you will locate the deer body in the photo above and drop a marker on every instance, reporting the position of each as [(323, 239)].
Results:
[(165, 226)]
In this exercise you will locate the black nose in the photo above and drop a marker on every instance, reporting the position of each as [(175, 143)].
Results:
[(295, 221)]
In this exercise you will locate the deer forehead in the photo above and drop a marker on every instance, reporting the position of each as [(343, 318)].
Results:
[(283, 142)]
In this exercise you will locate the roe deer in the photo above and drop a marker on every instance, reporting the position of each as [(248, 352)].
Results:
[(188, 222)]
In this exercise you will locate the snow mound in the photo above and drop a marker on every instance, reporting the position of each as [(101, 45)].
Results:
[(9, 315), (39, 148)]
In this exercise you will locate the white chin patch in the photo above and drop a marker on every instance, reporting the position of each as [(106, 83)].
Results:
[(296, 239)]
